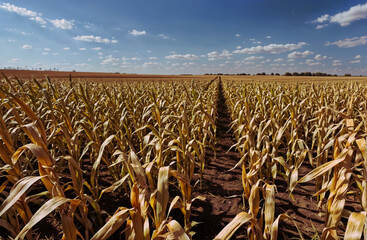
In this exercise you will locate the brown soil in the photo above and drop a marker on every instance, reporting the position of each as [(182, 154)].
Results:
[(221, 188)]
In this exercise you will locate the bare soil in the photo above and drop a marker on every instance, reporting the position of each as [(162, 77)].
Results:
[(221, 188)]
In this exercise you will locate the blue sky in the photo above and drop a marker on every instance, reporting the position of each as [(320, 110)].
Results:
[(192, 36)]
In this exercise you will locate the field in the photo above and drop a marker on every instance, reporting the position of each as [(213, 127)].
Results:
[(124, 156)]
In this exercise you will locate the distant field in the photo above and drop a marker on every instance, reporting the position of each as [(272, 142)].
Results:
[(134, 77), (93, 75)]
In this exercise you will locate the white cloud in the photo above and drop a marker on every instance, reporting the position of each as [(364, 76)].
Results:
[(321, 26), (268, 37), (81, 65), (34, 16), (299, 54), (314, 63), (92, 38), (182, 57), (337, 63), (238, 47), (278, 60), (237, 35), (47, 49), (82, 49), (135, 59), (55, 54), (319, 57), (345, 18), (11, 40), (39, 20), (137, 33), (149, 64), (96, 48), (110, 60), (13, 60), (357, 57), (323, 18), (271, 48), (62, 23), (18, 10), (27, 46), (153, 58), (355, 61), (163, 36), (353, 14), (253, 58), (349, 42), (216, 55), (66, 48)]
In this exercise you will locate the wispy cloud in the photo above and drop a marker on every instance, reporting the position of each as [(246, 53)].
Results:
[(27, 46), (300, 54), (271, 48), (237, 35), (137, 33), (355, 61), (216, 55), (92, 38), (337, 63), (253, 58), (110, 60), (163, 36), (349, 42), (182, 57)]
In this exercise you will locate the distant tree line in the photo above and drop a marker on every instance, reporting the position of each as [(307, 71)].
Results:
[(317, 74)]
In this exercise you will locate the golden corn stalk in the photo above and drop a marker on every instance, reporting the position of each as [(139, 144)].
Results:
[(66, 146)]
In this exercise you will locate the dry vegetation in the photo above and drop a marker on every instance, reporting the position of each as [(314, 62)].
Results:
[(120, 159)]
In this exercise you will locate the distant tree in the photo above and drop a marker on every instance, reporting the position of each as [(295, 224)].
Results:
[(295, 74), (347, 75), (287, 74), (277, 74)]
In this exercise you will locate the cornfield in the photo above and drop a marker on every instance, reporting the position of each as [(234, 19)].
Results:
[(119, 159)]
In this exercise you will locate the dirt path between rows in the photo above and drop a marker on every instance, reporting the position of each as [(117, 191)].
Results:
[(221, 188)]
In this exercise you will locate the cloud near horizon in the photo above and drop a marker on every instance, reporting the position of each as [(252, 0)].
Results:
[(271, 48), (349, 42), (92, 38)]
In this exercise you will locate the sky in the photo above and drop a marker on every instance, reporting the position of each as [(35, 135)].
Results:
[(185, 37)]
